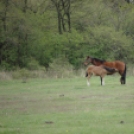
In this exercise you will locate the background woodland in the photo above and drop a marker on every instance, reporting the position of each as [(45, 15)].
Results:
[(49, 34)]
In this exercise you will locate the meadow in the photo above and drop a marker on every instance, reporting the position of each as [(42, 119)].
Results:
[(67, 106)]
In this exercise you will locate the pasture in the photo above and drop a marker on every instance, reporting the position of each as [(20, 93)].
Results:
[(67, 106)]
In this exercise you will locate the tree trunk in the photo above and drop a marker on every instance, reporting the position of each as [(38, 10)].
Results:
[(4, 19), (63, 13)]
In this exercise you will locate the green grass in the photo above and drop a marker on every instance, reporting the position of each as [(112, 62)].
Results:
[(67, 106)]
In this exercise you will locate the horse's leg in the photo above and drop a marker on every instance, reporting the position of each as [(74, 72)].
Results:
[(122, 80), (89, 76), (88, 83), (102, 81), (123, 76)]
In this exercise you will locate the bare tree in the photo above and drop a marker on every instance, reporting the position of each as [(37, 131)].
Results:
[(63, 15), (3, 18), (4, 14)]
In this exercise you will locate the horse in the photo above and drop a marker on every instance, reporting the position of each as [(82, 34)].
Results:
[(101, 71), (118, 65)]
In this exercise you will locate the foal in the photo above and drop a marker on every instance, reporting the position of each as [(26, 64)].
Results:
[(99, 71)]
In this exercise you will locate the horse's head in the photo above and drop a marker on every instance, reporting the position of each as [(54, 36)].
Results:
[(88, 60)]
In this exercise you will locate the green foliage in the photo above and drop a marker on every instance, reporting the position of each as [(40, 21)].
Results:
[(60, 67), (5, 66), (109, 44), (33, 65), (21, 73), (103, 29)]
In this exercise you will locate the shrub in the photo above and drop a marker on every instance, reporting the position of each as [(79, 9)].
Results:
[(33, 65), (60, 68)]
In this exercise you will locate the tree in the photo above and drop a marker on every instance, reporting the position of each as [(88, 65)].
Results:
[(63, 15), (3, 18), (129, 1)]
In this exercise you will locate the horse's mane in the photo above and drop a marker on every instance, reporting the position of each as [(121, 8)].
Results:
[(99, 60)]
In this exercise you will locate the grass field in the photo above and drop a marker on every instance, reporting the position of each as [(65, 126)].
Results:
[(67, 106)]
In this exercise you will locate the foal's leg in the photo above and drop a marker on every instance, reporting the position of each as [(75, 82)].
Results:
[(89, 76), (88, 83), (102, 81)]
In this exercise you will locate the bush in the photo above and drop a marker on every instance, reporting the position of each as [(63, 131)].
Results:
[(60, 68), (4, 75), (33, 65), (21, 73)]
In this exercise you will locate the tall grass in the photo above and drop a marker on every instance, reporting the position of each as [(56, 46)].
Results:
[(52, 72), (25, 74), (58, 68)]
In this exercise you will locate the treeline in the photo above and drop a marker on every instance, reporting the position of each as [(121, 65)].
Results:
[(36, 33)]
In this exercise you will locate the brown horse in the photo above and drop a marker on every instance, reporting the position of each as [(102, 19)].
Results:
[(118, 65), (98, 71)]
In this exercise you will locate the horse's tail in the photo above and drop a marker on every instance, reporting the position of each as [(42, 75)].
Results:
[(110, 70), (123, 77)]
